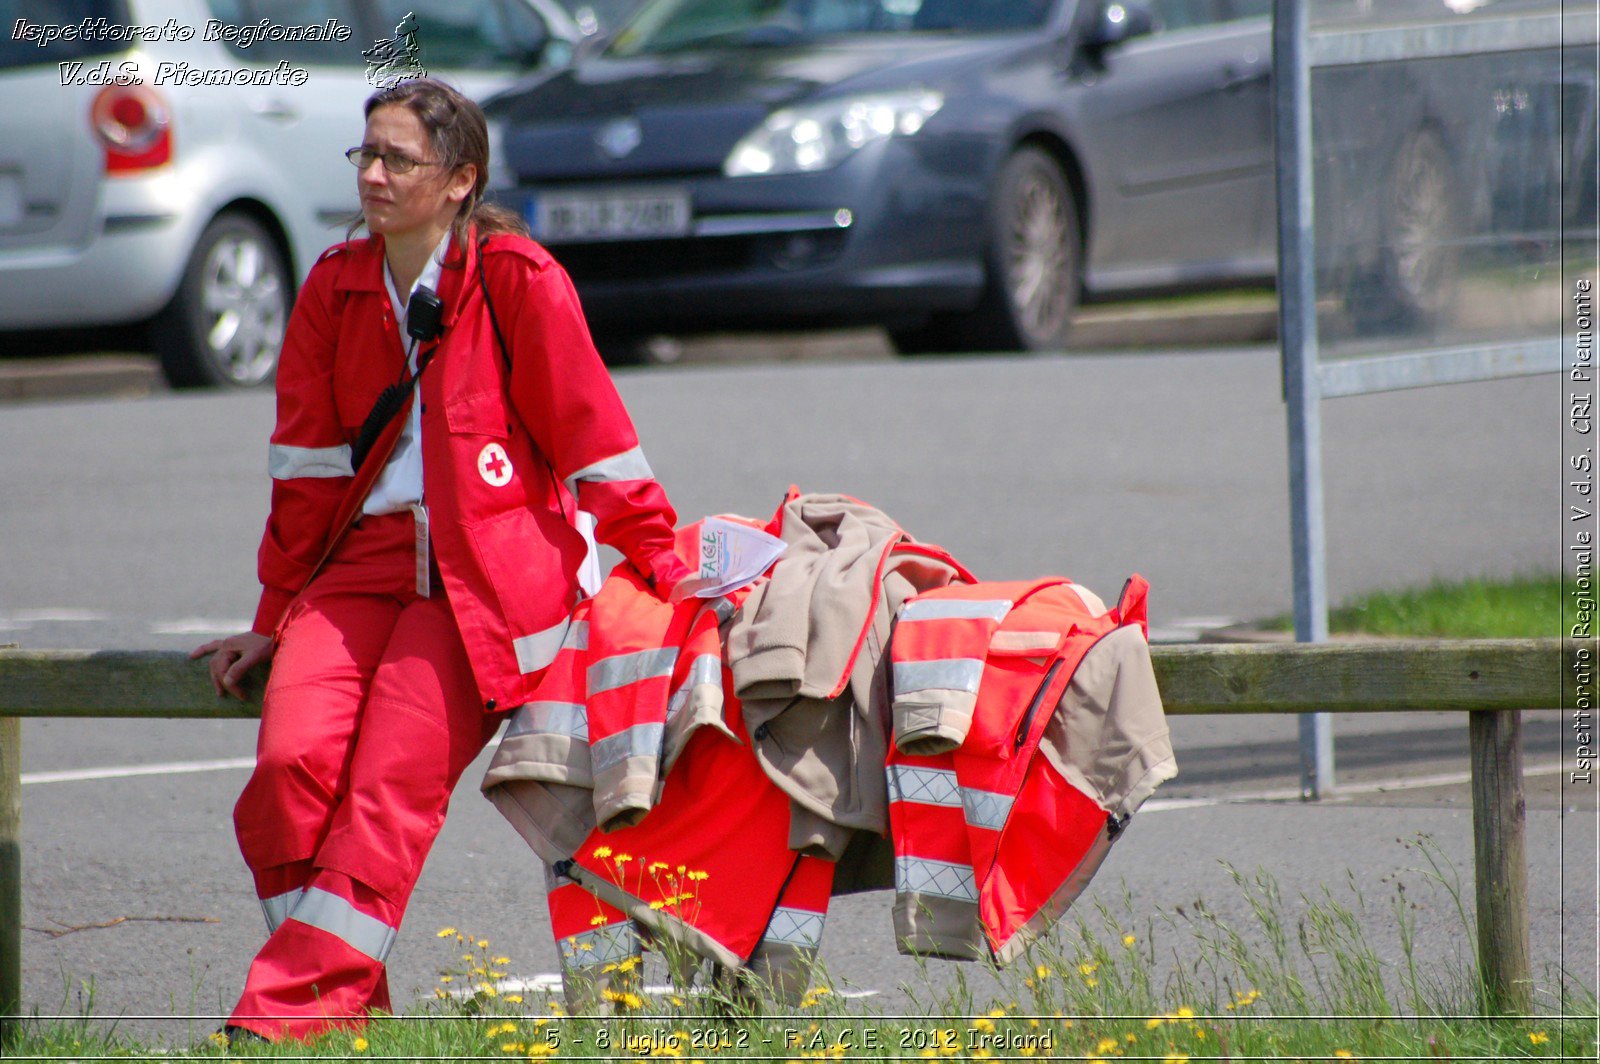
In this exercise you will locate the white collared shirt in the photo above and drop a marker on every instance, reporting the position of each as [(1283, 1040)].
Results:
[(400, 483)]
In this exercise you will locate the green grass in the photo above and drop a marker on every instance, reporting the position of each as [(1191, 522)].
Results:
[(1520, 608), (1296, 980)]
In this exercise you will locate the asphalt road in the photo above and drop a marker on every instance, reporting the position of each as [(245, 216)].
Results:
[(134, 524)]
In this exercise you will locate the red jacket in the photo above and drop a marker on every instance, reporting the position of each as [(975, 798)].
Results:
[(502, 458)]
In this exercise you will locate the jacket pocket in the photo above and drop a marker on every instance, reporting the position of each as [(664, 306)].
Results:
[(479, 414), (528, 558)]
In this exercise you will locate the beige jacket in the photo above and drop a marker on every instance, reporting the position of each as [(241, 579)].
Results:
[(808, 656)]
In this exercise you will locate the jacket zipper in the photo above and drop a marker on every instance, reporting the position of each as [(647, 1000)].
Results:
[(1033, 706)]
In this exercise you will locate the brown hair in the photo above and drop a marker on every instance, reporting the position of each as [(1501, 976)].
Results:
[(459, 135)]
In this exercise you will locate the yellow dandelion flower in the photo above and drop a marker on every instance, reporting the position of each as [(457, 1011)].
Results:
[(629, 964), (680, 869), (929, 1053), (218, 1038), (487, 990), (501, 960), (1027, 1051), (658, 905), (602, 851), (447, 979), (999, 1011), (1130, 1038), (512, 1047), (983, 1024), (1096, 1060), (1043, 972), (1199, 1034), (483, 943), (623, 858), (1184, 1013), (515, 999), (655, 866), (1153, 1022), (1177, 1058), (445, 932), (598, 921), (1106, 1045), (438, 992), (949, 1050), (1029, 983), (609, 967), (982, 1054), (541, 1049), (540, 1022), (1091, 983), (677, 1002), (1344, 1054), (1129, 940), (359, 1045), (479, 971), (1087, 968), (698, 876), (1538, 1038)]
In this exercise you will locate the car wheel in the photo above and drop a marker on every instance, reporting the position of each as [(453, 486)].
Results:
[(1032, 269), (225, 324), (1415, 280)]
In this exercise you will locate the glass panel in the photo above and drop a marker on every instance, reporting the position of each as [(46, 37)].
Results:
[(1449, 185)]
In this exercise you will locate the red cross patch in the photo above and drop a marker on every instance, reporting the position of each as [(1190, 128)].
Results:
[(494, 465)]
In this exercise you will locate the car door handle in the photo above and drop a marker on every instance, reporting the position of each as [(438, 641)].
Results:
[(278, 110), (1234, 78)]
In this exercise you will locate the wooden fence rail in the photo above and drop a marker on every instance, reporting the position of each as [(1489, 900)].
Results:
[(1493, 680)]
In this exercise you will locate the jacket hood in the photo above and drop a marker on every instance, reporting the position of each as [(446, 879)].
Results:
[(693, 107)]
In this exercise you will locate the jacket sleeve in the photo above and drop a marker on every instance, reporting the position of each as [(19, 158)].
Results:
[(308, 458), (565, 397)]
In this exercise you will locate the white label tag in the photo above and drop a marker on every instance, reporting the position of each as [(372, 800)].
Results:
[(420, 513)]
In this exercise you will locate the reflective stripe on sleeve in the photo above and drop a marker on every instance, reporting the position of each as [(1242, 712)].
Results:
[(705, 669), (538, 650), (985, 809), (279, 908), (603, 945), (926, 786), (937, 609), (577, 637), (619, 670), (288, 463), (947, 674), (550, 718), (363, 933), (641, 740), (794, 927), (920, 875), (629, 465)]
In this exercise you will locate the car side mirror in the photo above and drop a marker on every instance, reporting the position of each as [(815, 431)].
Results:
[(1118, 22)]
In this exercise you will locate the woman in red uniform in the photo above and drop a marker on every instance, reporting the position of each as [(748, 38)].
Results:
[(412, 598)]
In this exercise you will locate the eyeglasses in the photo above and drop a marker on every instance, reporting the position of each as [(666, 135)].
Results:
[(393, 161)]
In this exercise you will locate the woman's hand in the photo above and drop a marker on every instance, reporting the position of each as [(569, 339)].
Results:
[(234, 656)]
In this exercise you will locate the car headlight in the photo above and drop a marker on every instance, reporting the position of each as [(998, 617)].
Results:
[(822, 135)]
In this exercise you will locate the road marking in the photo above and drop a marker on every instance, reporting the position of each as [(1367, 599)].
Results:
[(171, 768), (198, 626), (1447, 779), (48, 615)]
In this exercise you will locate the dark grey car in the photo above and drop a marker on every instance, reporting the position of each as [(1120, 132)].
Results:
[(960, 171)]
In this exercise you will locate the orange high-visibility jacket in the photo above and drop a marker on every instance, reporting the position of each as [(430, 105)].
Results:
[(503, 456), (1028, 728)]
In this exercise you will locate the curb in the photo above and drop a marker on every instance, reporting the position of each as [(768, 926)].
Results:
[(78, 376)]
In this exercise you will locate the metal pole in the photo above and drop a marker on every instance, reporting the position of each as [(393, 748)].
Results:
[(10, 878), (1297, 318)]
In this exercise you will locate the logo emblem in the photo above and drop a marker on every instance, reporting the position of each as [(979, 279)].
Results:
[(494, 466), (618, 139)]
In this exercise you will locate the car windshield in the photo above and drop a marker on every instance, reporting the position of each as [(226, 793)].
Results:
[(677, 25)]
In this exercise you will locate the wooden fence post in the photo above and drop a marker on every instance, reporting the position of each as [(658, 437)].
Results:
[(10, 877), (1500, 861)]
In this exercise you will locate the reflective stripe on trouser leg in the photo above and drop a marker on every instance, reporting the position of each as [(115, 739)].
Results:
[(323, 968), (590, 936)]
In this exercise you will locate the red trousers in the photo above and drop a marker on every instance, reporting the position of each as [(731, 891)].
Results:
[(371, 715)]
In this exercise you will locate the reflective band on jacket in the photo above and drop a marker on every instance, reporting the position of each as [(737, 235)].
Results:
[(363, 933), (536, 651), (619, 670), (955, 609), (604, 945), (948, 674), (641, 740), (550, 718), (279, 908), (926, 786), (919, 875), (705, 669), (577, 637), (794, 927), (629, 465), (287, 463), (985, 809)]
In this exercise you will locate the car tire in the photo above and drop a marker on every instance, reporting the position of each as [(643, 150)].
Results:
[(224, 327), (1032, 266), (1414, 282)]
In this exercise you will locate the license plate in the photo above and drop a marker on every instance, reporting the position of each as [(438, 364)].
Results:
[(577, 217)]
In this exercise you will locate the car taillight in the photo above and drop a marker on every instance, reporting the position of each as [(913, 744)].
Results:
[(134, 125)]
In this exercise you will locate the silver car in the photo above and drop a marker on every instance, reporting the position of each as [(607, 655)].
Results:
[(179, 163)]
